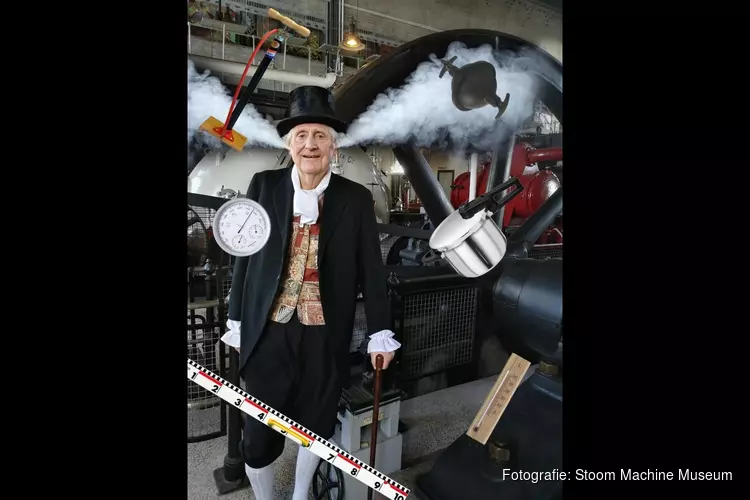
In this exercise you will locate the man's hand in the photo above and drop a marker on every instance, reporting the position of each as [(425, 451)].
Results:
[(387, 357)]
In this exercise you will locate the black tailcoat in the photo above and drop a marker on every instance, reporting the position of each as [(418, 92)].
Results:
[(349, 261)]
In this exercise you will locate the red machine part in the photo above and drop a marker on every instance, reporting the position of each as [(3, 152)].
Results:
[(537, 187), (552, 236), (525, 154), (461, 185)]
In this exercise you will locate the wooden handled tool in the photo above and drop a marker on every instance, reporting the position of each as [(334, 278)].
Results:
[(225, 131), (375, 412), (275, 14)]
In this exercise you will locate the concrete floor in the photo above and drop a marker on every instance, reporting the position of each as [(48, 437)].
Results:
[(434, 421)]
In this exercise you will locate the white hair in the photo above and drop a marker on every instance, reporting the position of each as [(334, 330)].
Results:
[(334, 135)]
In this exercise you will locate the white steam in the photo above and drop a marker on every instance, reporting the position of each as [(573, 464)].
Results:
[(208, 97), (422, 109)]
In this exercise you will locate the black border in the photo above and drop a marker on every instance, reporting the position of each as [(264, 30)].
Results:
[(645, 329), (115, 383), (650, 357)]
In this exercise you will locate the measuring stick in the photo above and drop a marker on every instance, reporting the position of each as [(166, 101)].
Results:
[(294, 431), (498, 398)]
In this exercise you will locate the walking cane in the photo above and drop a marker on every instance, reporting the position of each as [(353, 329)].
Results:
[(375, 413)]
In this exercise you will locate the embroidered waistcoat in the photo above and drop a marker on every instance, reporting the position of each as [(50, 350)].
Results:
[(299, 286)]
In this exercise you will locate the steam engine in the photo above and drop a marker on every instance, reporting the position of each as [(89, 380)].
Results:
[(525, 294), (534, 168), (521, 297)]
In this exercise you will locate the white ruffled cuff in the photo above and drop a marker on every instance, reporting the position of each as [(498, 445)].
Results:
[(232, 337), (382, 341)]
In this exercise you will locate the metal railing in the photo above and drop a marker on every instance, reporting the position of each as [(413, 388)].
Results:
[(254, 39), (206, 413), (208, 281)]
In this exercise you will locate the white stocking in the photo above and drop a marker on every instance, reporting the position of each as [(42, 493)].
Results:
[(307, 463), (261, 480)]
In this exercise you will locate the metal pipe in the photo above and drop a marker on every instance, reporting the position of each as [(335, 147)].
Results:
[(384, 189), (448, 279), (545, 154), (424, 181), (190, 39), (506, 176), (234, 465), (530, 231), (224, 39), (341, 25), (235, 68), (283, 66), (473, 176), (339, 62), (230, 476), (495, 175), (333, 15)]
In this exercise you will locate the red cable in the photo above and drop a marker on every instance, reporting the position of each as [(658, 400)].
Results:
[(239, 85)]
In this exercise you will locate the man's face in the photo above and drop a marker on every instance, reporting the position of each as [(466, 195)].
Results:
[(311, 147)]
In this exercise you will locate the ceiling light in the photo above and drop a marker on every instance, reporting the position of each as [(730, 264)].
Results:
[(351, 40)]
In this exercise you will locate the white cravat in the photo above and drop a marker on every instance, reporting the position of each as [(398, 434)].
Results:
[(306, 200)]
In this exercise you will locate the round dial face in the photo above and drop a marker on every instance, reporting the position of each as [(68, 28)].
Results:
[(241, 227)]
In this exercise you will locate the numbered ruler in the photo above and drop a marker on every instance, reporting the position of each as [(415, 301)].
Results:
[(292, 430)]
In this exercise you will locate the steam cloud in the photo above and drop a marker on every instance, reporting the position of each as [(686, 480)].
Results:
[(208, 97), (422, 109)]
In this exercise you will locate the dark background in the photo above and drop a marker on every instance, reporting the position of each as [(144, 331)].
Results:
[(653, 268)]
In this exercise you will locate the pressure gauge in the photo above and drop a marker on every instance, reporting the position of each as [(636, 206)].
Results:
[(241, 227)]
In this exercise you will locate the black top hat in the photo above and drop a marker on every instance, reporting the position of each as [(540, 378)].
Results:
[(310, 104)]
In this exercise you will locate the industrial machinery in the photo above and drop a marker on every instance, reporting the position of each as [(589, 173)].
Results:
[(526, 293), (227, 175), (461, 184), (538, 181)]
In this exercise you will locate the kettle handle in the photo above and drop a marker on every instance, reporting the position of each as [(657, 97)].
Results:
[(487, 201)]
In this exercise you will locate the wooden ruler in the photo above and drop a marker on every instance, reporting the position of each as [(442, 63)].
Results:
[(498, 398)]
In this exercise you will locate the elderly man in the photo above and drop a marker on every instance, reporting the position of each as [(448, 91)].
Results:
[(291, 308)]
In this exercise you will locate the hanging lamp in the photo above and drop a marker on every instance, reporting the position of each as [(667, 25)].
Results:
[(351, 40)]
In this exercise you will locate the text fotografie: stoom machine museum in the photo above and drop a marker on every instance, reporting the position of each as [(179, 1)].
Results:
[(623, 475)]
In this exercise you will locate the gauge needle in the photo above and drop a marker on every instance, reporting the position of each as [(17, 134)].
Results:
[(248, 218)]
